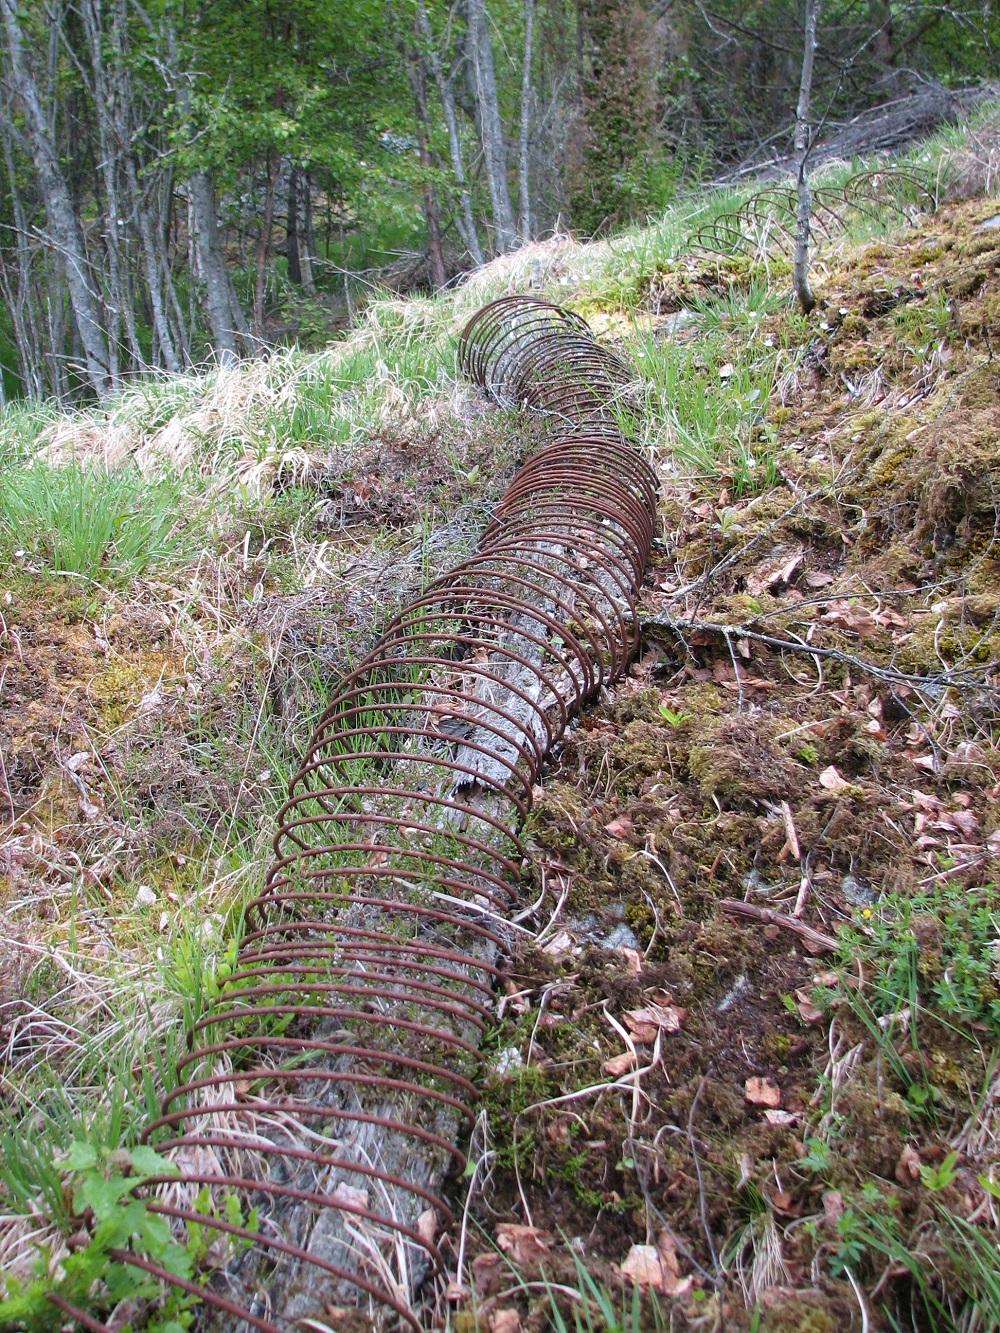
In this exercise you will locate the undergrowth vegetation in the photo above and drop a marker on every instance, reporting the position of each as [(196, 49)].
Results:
[(81, 519), (747, 1071)]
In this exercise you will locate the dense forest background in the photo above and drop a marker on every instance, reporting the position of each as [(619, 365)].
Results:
[(185, 179)]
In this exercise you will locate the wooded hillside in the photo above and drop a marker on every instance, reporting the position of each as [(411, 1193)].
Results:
[(180, 181)]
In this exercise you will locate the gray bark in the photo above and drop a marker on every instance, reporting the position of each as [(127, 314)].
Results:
[(523, 147), (63, 227), (418, 83), (308, 247), (21, 302), (490, 125), (800, 263), (216, 284), (466, 222), (154, 274)]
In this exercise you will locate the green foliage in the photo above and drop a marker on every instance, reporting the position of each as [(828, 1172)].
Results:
[(103, 1216), (933, 950), (600, 1310), (108, 526), (623, 175), (715, 406)]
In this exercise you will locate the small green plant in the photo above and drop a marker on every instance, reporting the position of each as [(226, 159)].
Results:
[(933, 951), (599, 1310), (941, 1176), (817, 1157), (105, 1221), (107, 526), (672, 717)]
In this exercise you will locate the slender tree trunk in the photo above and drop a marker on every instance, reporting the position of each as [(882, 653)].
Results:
[(490, 125), (55, 319), (466, 222), (211, 266), (800, 267), (884, 41), (292, 228), (63, 224), (307, 250), (152, 272), (432, 219), (263, 246), (523, 147), (23, 309), (108, 93)]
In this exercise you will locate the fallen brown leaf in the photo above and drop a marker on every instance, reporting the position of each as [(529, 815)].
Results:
[(777, 568), (525, 1245), (427, 1225), (833, 1207), (619, 1064), (655, 1266), (780, 1117), (808, 1011), (620, 827), (908, 1167), (505, 1321), (644, 1023), (762, 1092), (487, 1273), (832, 781)]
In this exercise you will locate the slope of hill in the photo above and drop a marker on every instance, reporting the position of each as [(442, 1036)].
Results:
[(747, 1058)]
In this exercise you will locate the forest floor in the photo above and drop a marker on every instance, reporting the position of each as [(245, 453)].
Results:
[(744, 1072)]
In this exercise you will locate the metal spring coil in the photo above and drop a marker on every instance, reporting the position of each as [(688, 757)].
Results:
[(329, 1082), (768, 218)]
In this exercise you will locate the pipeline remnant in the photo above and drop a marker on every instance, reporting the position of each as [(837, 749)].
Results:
[(767, 220), (331, 1081)]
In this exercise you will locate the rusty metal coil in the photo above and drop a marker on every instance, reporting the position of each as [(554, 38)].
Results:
[(331, 1080), (526, 352), (766, 221)]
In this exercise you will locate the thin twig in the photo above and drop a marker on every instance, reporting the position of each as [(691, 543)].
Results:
[(692, 1143), (816, 938), (945, 679)]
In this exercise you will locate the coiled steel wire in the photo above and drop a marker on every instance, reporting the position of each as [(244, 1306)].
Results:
[(332, 1079), (767, 219)]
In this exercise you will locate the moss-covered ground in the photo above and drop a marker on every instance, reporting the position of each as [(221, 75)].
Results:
[(805, 1129)]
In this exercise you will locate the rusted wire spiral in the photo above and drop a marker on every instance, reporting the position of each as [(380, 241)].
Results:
[(527, 352), (767, 219), (332, 1078)]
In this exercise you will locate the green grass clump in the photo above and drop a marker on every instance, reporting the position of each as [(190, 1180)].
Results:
[(107, 526), (935, 950)]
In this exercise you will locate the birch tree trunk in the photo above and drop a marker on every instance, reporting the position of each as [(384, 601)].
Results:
[(466, 222), (152, 272), (800, 265), (523, 153), (63, 227), (263, 246), (432, 220), (308, 246), (490, 126), (23, 310), (218, 293)]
